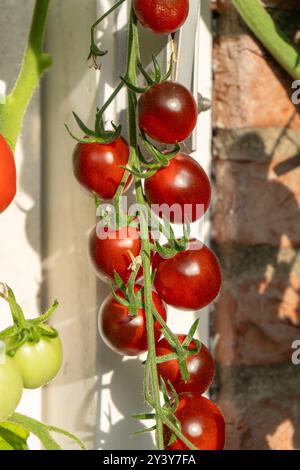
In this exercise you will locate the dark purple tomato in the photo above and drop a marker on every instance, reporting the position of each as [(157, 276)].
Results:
[(109, 250), (200, 366), (97, 166), (161, 16), (182, 189), (202, 423), (123, 333), (167, 112), (191, 279)]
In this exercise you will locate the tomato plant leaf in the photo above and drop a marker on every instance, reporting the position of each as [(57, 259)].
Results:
[(13, 437), (71, 436), (143, 431), (38, 429)]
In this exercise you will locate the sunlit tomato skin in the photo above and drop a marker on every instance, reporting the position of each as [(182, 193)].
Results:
[(200, 366), (11, 387), (182, 185), (109, 251), (167, 112), (39, 362), (122, 333), (191, 279), (97, 166), (201, 422), (161, 16), (7, 175)]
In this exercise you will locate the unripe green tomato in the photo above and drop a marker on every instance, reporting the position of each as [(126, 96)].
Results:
[(11, 387), (39, 362)]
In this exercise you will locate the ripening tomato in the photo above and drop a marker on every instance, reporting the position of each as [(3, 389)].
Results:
[(202, 423), (167, 112), (39, 362), (7, 175), (191, 279), (97, 166), (123, 333), (182, 189), (11, 387), (200, 366), (109, 250), (161, 16)]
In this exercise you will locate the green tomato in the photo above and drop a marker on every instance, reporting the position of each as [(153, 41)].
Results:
[(11, 387), (39, 362)]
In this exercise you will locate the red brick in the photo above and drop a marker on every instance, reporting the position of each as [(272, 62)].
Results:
[(270, 423), (256, 321), (255, 206), (248, 83)]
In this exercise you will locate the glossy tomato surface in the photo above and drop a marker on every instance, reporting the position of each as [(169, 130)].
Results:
[(39, 362), (7, 175), (201, 422), (200, 366), (191, 279), (11, 387), (97, 166), (124, 334), (109, 251), (161, 16), (182, 189), (167, 112)]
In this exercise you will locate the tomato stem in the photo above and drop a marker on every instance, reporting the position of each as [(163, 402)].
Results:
[(131, 75), (35, 62)]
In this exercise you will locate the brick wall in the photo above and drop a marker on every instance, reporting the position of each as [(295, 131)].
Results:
[(256, 232)]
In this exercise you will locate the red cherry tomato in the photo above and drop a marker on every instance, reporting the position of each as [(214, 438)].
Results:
[(191, 279), (125, 334), (7, 175), (161, 16), (201, 422), (167, 112), (182, 185), (97, 166), (109, 250), (201, 368)]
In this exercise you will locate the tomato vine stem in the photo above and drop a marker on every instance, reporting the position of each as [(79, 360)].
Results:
[(35, 62), (131, 75)]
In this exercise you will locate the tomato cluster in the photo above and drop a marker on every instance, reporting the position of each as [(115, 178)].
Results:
[(31, 356), (188, 279)]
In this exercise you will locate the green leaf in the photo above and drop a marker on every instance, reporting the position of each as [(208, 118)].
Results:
[(191, 333), (13, 437), (38, 429), (83, 127), (143, 431), (42, 431)]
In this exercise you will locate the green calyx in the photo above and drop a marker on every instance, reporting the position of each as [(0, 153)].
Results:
[(159, 158), (24, 330), (99, 134), (155, 77), (174, 244)]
